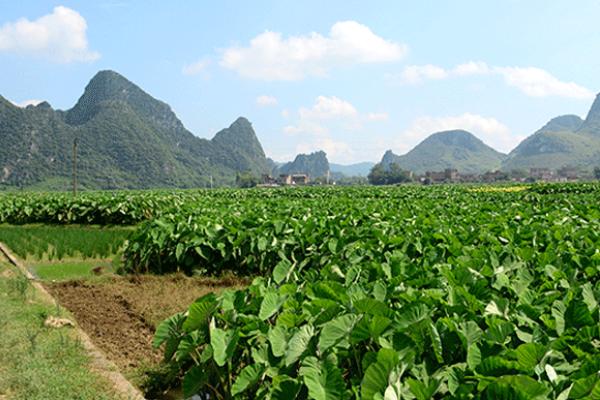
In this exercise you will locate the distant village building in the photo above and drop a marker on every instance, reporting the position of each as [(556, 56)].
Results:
[(448, 175), (541, 174), (469, 178), (568, 173), (494, 176), (268, 180), (451, 174), (299, 179), (285, 180)]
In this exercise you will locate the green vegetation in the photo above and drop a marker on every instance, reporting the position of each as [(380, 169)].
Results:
[(246, 180), (380, 175), (38, 362), (408, 292), (44, 242), (102, 208), (127, 139), (373, 292), (68, 270)]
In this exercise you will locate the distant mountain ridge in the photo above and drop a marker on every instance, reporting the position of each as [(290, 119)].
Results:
[(564, 141), (358, 169), (457, 149), (127, 139), (314, 165)]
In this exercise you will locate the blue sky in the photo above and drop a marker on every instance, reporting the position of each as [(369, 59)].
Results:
[(349, 77)]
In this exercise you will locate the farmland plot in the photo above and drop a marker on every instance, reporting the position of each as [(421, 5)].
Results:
[(394, 292)]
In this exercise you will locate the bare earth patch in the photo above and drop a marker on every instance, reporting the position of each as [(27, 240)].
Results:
[(120, 313)]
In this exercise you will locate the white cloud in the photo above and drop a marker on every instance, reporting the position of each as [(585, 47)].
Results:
[(327, 108), (196, 68), (537, 82), (25, 103), (285, 113), (378, 116), (532, 81), (266, 101), (471, 68), (330, 112), (414, 74), (320, 126), (325, 112), (272, 57), (59, 37), (491, 131)]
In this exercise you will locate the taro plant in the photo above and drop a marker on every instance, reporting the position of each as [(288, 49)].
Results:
[(384, 331)]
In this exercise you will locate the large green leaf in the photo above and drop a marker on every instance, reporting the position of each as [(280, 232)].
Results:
[(200, 312), (423, 390), (578, 315), (516, 387), (169, 332), (322, 378), (298, 344), (194, 381), (376, 378), (469, 332), (270, 305), (223, 343), (336, 330), (473, 356), (529, 355), (284, 388), (371, 306), (582, 387), (189, 344), (412, 315), (589, 297), (248, 377), (278, 338)]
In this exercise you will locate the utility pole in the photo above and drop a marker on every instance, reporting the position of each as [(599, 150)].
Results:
[(328, 176), (75, 167), (211, 182)]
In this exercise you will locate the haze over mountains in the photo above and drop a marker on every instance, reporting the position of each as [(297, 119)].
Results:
[(128, 139)]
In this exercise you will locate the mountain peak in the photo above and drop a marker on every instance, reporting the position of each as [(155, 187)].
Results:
[(109, 87), (448, 149), (592, 121), (314, 164), (241, 126), (109, 84), (44, 105), (562, 123), (240, 139), (457, 137)]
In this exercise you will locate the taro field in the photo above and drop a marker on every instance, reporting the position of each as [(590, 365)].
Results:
[(445, 292)]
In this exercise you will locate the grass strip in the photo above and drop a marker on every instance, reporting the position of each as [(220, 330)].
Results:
[(37, 362)]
